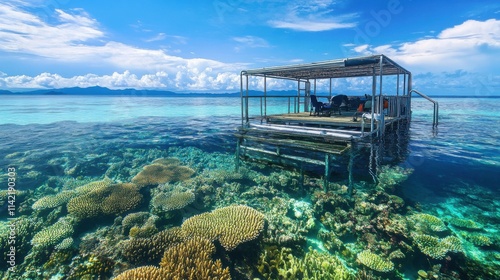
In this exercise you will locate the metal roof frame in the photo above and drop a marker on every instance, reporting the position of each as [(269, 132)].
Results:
[(340, 68)]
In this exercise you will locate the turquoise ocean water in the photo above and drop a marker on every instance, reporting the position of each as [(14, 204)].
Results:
[(431, 213)]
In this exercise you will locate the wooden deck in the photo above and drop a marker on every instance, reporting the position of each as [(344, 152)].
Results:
[(344, 121)]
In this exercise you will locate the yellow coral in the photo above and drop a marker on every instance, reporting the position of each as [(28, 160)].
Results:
[(176, 200), (464, 223), (232, 225), (375, 262)]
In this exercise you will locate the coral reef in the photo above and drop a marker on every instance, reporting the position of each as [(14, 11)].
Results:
[(437, 248), (427, 223), (52, 201), (53, 234), (64, 244), (192, 260), (158, 173), (94, 186), (189, 260), (374, 261), (108, 200), (477, 239), (148, 272), (277, 263), (464, 223), (172, 201), (231, 225), (389, 176), (150, 250)]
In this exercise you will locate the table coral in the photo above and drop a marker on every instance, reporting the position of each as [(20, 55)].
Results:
[(232, 225), (158, 173), (437, 248), (53, 234), (427, 222), (172, 201), (374, 261), (105, 200), (52, 201)]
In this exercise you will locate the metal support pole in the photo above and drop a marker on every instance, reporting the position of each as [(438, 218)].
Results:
[(265, 96), (328, 158)]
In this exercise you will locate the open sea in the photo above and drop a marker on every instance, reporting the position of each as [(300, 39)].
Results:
[(81, 200)]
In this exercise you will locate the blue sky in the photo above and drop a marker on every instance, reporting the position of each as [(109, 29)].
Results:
[(193, 46)]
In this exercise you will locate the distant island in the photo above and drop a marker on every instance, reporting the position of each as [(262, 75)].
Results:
[(103, 91)]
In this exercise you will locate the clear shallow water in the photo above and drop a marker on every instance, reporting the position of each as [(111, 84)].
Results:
[(455, 166)]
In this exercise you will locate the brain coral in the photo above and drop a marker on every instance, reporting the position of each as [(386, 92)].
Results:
[(374, 261), (173, 201), (53, 234), (232, 225), (52, 201), (158, 173)]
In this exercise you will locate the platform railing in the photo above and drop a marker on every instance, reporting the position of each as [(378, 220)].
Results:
[(436, 106)]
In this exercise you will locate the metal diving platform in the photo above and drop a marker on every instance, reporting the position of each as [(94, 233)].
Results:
[(289, 127)]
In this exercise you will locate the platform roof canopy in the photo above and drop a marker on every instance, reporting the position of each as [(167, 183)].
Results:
[(339, 68)]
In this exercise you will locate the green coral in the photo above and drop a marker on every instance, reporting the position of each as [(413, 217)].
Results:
[(374, 261), (464, 223), (437, 248), (390, 176), (427, 222), (53, 234)]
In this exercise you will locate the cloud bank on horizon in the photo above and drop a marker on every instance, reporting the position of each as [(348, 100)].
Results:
[(57, 44)]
